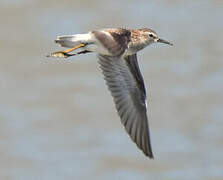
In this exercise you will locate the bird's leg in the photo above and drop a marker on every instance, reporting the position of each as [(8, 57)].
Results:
[(72, 49), (64, 53), (83, 52)]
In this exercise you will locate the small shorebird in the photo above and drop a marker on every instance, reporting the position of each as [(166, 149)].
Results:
[(116, 49)]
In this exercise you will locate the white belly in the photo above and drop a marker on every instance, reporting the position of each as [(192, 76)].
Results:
[(97, 48)]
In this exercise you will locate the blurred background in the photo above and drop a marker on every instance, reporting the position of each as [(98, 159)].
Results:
[(57, 118)]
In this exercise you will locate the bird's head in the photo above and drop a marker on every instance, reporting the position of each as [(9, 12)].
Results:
[(152, 37)]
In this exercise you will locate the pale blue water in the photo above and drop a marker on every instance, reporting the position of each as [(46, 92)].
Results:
[(57, 119)]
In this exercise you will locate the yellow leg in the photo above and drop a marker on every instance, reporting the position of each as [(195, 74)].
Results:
[(64, 53), (72, 49)]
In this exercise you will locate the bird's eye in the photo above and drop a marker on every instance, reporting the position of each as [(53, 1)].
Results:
[(151, 35)]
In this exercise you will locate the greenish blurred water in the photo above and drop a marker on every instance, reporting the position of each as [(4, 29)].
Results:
[(57, 119)]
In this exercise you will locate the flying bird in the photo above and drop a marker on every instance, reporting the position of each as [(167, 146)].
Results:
[(117, 49)]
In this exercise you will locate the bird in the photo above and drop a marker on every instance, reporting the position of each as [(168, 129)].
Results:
[(116, 49)]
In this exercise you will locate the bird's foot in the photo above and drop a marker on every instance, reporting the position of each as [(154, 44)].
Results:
[(60, 54), (64, 54)]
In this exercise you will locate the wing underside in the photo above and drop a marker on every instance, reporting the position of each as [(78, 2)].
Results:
[(126, 85)]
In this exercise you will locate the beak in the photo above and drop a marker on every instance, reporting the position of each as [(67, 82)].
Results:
[(164, 41)]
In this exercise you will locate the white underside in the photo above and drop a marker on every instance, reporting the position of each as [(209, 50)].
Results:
[(96, 47)]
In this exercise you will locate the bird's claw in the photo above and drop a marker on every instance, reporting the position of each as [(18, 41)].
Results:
[(60, 54), (64, 54)]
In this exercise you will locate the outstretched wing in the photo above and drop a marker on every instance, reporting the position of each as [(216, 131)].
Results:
[(126, 84)]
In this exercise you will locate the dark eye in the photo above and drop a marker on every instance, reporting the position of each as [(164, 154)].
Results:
[(151, 35)]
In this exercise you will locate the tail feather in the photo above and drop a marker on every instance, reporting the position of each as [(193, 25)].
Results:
[(73, 40)]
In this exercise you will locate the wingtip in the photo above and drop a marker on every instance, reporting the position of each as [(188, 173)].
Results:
[(149, 155)]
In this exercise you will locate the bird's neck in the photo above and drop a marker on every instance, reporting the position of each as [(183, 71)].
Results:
[(138, 41)]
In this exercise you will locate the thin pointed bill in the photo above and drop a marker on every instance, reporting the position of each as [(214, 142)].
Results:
[(164, 41)]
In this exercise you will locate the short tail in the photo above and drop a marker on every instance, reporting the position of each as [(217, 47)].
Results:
[(73, 40)]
